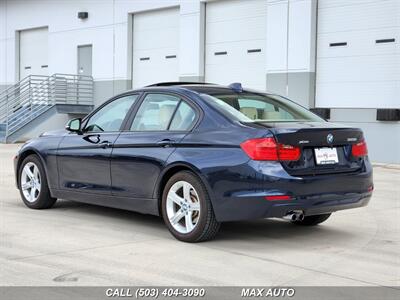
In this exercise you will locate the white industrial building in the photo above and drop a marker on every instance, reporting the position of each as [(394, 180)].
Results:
[(340, 56)]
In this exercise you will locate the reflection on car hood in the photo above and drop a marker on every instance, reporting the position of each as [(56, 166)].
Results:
[(54, 133)]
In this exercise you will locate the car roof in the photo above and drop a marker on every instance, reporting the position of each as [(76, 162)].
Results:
[(198, 87)]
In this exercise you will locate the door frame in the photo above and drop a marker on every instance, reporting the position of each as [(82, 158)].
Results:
[(77, 57)]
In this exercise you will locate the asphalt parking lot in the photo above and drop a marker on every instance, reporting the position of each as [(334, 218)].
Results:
[(79, 244)]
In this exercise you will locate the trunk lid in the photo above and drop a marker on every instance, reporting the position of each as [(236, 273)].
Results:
[(311, 135)]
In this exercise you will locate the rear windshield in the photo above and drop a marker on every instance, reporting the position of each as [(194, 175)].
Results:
[(251, 107)]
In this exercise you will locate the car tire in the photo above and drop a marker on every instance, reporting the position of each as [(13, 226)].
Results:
[(33, 184), (312, 220), (186, 201)]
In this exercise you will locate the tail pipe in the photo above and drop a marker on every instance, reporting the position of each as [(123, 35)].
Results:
[(295, 215)]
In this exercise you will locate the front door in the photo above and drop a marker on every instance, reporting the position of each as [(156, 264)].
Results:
[(84, 159), (140, 152)]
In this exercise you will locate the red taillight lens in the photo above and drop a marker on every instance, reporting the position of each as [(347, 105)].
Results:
[(278, 197), (261, 149), (359, 149), (269, 149), (288, 152)]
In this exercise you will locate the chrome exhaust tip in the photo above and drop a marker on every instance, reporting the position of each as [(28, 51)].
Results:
[(296, 215)]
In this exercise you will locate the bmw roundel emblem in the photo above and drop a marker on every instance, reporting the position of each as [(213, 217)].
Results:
[(329, 138)]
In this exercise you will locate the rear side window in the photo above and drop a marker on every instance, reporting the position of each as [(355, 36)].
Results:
[(250, 107), (155, 113), (183, 118)]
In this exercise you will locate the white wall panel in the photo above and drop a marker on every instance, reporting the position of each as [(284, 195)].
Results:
[(106, 28), (33, 53), (357, 15), (63, 57), (227, 22), (191, 39), (362, 73), (277, 30), (152, 43), (301, 43)]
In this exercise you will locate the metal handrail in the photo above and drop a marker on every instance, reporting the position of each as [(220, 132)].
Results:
[(35, 94)]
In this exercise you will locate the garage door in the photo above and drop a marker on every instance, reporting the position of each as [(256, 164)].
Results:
[(358, 57), (235, 42), (33, 53), (155, 47)]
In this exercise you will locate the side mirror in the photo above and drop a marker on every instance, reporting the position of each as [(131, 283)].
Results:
[(74, 125)]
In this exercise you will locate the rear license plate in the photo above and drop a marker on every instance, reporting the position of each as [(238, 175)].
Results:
[(326, 156)]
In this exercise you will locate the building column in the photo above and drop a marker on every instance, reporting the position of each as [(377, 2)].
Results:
[(191, 42), (291, 42)]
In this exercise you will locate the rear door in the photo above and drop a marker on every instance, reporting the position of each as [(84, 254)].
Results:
[(152, 134), (84, 159)]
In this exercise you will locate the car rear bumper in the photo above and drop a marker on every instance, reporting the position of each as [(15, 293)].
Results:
[(312, 194), (257, 207)]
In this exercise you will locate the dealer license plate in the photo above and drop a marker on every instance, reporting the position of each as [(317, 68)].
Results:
[(326, 156)]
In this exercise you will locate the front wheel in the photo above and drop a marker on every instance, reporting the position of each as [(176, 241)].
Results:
[(33, 184), (187, 210), (312, 220)]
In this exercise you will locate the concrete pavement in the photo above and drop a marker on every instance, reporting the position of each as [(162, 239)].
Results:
[(79, 244)]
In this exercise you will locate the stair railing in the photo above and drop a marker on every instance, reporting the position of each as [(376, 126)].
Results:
[(35, 94)]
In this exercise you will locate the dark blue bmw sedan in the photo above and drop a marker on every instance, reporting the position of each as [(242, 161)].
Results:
[(199, 155)]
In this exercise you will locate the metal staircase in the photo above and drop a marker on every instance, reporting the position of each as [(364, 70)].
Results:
[(34, 95)]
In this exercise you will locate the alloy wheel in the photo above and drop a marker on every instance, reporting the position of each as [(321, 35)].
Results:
[(183, 207), (31, 182)]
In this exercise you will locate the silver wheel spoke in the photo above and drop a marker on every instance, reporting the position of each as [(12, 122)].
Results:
[(189, 222), (28, 171), (26, 185), (194, 206), (186, 191), (32, 194), (175, 198), (36, 173), (177, 217)]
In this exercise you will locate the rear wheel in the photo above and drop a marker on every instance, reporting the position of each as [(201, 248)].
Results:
[(187, 210), (312, 220), (33, 184)]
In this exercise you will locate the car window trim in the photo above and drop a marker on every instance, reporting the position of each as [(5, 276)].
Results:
[(173, 114), (115, 98), (189, 102)]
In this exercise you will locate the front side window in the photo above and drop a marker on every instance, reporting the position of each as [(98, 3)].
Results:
[(155, 113), (111, 116), (250, 107)]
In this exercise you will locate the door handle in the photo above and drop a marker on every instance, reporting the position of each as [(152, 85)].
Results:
[(106, 144), (165, 143)]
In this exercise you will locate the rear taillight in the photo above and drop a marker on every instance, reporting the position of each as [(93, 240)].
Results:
[(269, 149), (359, 149), (278, 197)]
